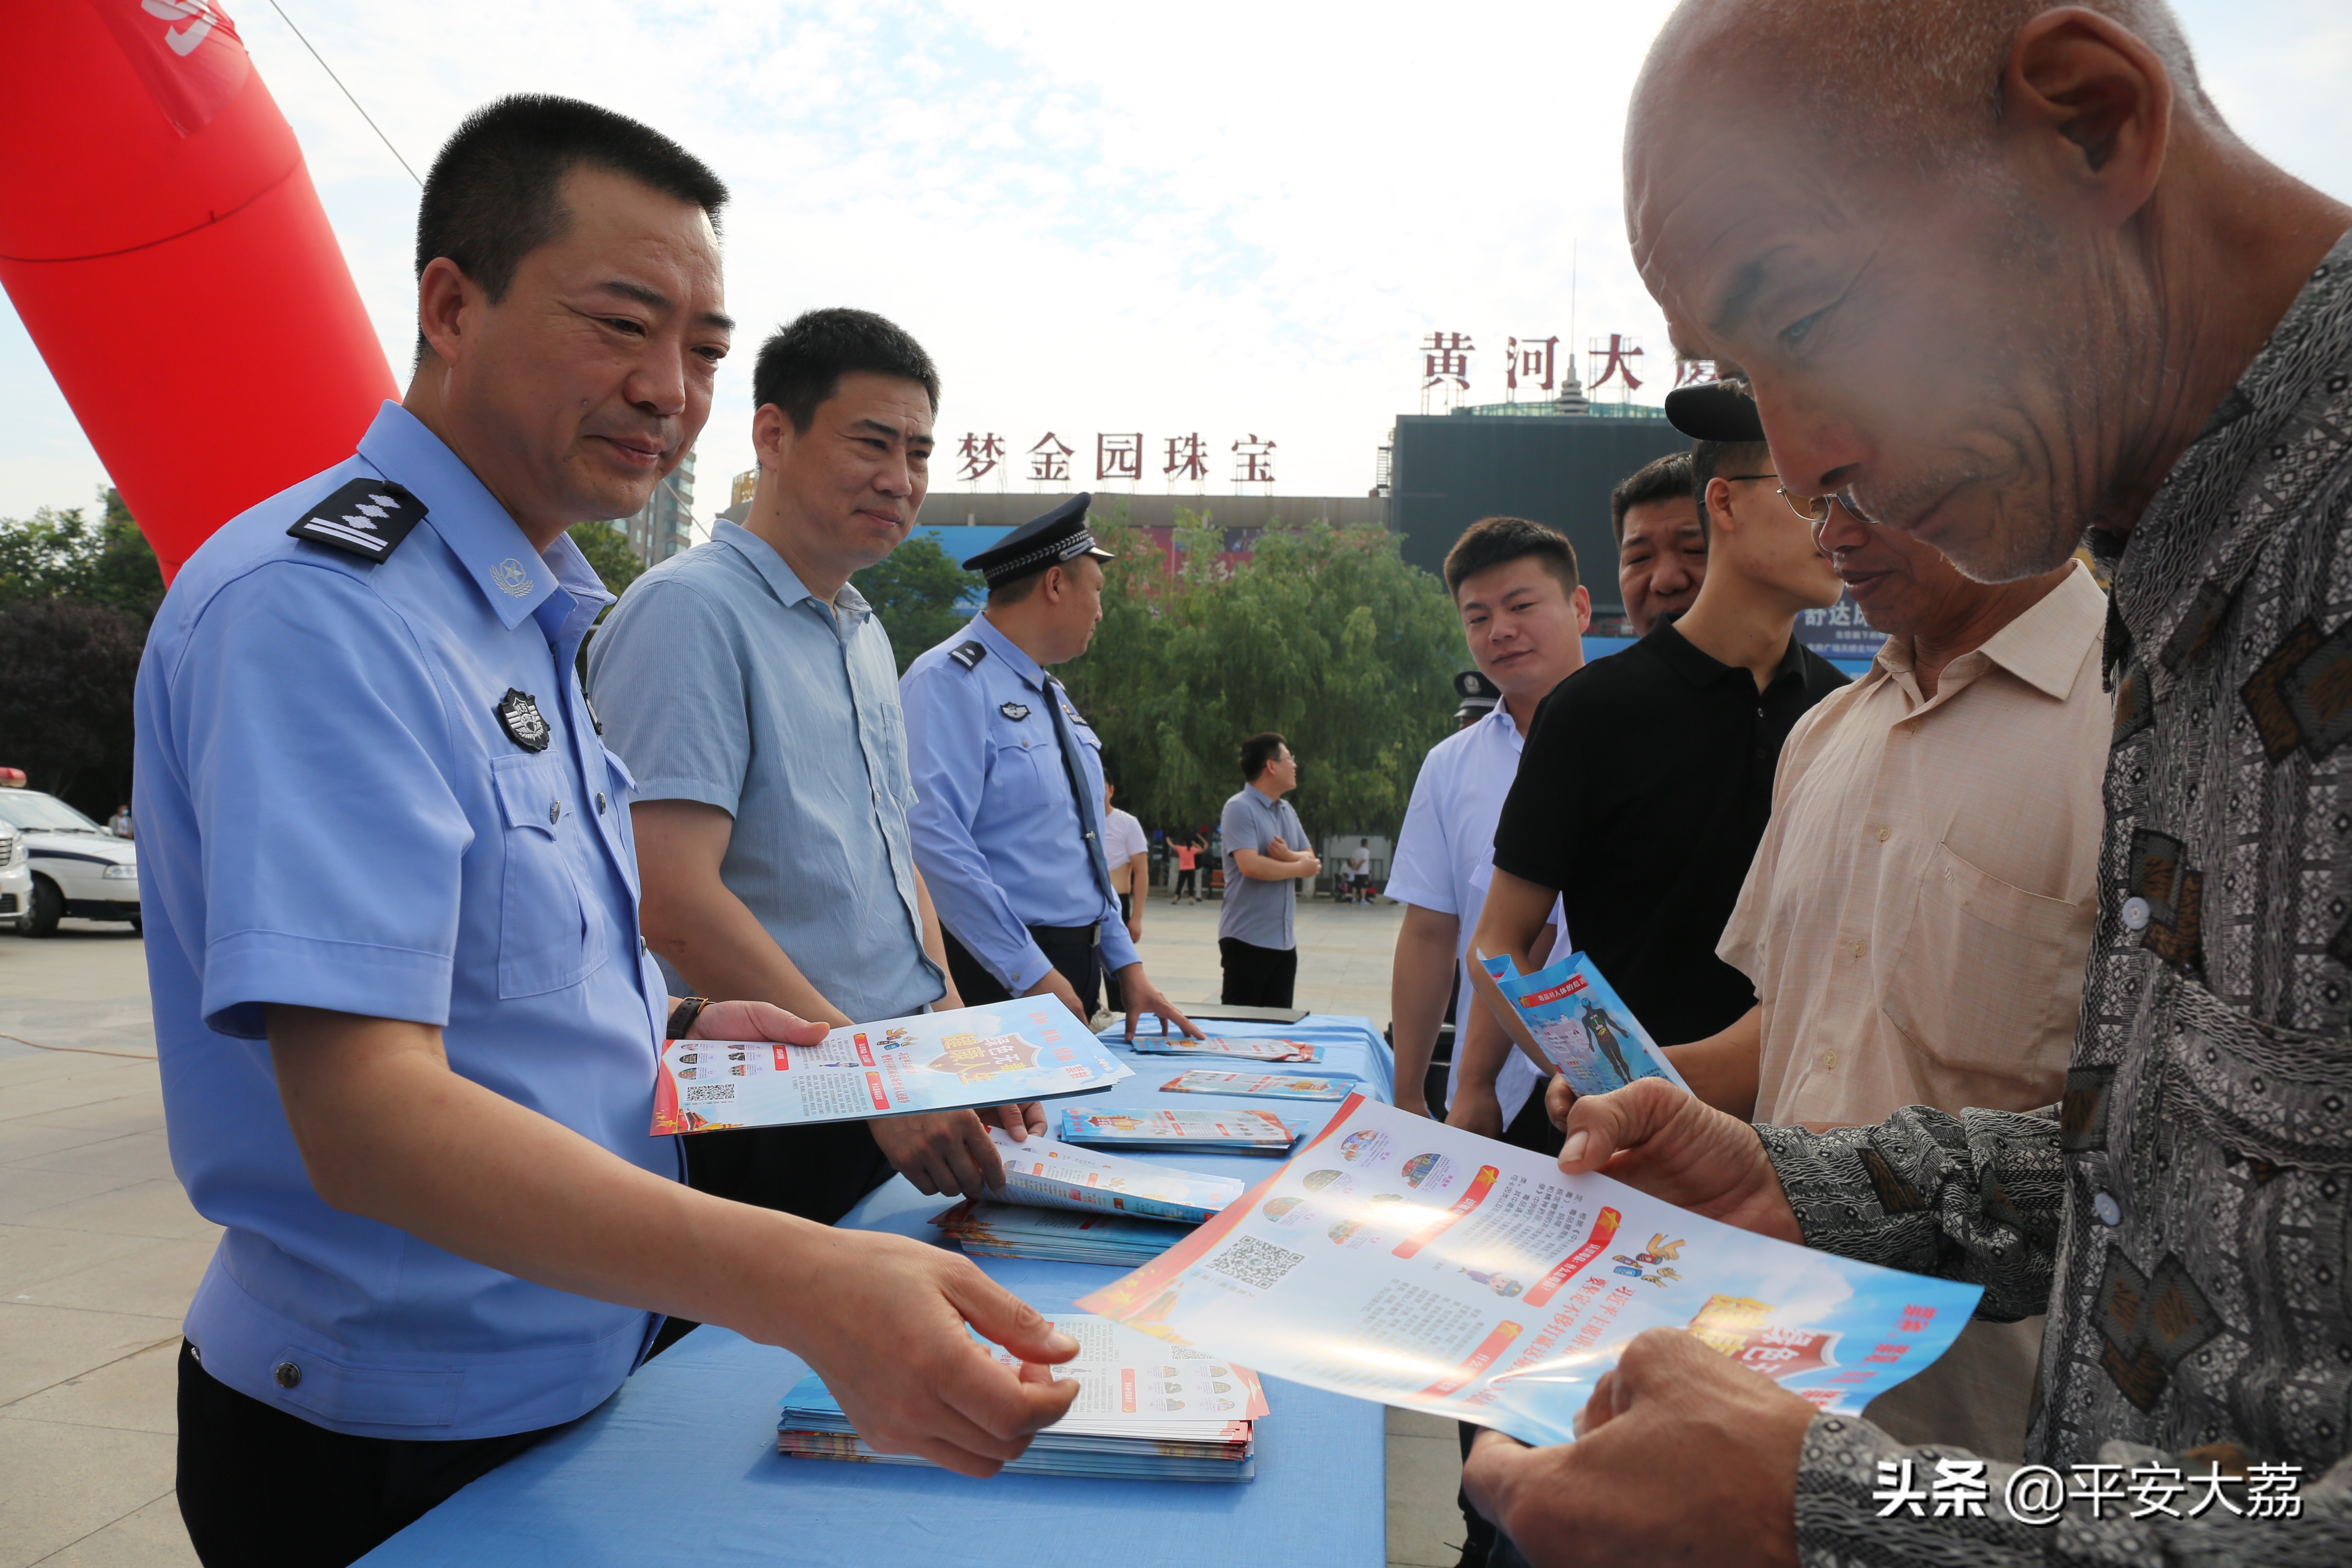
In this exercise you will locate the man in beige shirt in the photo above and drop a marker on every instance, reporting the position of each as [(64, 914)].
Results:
[(1919, 912)]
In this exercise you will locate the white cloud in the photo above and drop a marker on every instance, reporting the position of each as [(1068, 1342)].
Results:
[(1226, 218)]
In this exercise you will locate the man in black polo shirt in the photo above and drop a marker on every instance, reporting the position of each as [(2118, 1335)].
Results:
[(1647, 776)]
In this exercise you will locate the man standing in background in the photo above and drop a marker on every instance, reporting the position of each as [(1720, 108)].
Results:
[(1646, 782), (1257, 941), (1524, 613), (752, 691), (1130, 854), (1661, 541), (1007, 819)]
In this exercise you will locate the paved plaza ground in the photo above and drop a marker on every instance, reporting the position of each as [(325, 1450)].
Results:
[(100, 1249)]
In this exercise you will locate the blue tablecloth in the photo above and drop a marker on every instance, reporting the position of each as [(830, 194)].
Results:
[(681, 1467)]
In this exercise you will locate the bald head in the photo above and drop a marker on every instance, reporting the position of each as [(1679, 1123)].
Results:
[(1982, 261)]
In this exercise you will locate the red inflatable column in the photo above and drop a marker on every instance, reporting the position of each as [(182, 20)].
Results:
[(161, 238)]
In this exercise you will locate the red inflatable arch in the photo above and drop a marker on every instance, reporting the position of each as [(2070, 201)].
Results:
[(161, 237)]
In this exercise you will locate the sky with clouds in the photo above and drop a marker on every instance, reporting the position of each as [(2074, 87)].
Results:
[(1223, 219)]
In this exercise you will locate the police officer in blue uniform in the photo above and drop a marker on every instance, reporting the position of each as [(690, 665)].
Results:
[(406, 1025), (1007, 824)]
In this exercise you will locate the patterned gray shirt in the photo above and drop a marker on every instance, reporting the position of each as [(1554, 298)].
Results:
[(2183, 1213)]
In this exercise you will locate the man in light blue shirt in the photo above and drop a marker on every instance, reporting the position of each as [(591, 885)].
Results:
[(1257, 943), (406, 1026), (1007, 820), (751, 688)]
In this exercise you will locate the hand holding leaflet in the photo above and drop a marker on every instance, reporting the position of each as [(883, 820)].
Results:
[(1424, 1267), (1024, 1049), (1569, 1020)]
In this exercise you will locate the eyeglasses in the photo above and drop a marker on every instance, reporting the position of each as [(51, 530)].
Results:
[(1814, 510)]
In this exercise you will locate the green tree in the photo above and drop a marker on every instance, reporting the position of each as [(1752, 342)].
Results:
[(607, 550), (919, 594), (1325, 635), (62, 555), (65, 698)]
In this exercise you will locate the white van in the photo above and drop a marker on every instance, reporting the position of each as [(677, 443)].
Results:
[(78, 867)]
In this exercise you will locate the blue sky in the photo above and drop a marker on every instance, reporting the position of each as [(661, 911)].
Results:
[(1221, 218)]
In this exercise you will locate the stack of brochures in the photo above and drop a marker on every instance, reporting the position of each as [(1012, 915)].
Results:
[(1059, 1236), (1146, 1411), (1053, 1174), (1222, 1131), (1258, 1086), (1240, 1047)]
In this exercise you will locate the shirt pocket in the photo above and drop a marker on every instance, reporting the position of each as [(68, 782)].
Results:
[(1988, 983), (547, 937), (1016, 777), (2273, 1094)]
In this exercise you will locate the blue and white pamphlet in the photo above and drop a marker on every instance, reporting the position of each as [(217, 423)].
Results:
[(1404, 1261), (1004, 1054), (1049, 1174), (1258, 1085), (1566, 1015)]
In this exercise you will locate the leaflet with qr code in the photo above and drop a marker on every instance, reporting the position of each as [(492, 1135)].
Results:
[(1402, 1260)]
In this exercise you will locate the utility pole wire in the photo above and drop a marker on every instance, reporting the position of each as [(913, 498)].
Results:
[(346, 92)]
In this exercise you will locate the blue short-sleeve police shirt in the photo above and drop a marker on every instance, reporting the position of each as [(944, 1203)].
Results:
[(374, 786)]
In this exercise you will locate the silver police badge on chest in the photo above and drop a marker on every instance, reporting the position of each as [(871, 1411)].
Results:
[(520, 716), (1016, 712)]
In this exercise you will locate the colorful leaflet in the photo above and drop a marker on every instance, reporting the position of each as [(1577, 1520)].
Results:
[(1057, 1236), (1565, 1014), (1249, 1048), (1029, 1048), (1258, 1086), (1227, 1131), (1400, 1261), (1053, 1174)]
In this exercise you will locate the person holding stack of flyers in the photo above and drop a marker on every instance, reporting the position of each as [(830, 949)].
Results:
[(406, 1025)]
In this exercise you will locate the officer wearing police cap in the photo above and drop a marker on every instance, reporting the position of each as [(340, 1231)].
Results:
[(1007, 824)]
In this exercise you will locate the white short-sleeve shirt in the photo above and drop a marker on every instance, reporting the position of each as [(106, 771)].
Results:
[(1445, 858)]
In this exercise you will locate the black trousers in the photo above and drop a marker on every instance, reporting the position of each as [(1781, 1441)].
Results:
[(1069, 949), (1187, 881), (1109, 977), (260, 1489), (1257, 976)]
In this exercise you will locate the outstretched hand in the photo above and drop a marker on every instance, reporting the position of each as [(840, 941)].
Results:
[(1668, 1143), (883, 1322)]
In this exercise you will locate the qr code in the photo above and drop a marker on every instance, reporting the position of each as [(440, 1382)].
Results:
[(704, 1093), (1255, 1262)]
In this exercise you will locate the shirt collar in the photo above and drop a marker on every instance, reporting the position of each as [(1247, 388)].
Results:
[(1271, 800), (2043, 647), (1004, 647), (778, 574), (514, 579), (1702, 668), (1509, 732)]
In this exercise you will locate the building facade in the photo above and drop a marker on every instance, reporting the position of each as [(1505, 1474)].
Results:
[(666, 524)]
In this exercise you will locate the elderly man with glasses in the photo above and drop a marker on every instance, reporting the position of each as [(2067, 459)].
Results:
[(1917, 916), (1646, 781)]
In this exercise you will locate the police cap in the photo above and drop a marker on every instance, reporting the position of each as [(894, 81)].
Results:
[(1062, 534), (1478, 695), (1715, 411)]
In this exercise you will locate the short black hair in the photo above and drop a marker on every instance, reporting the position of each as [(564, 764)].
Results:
[(1493, 541), (1661, 478), (1711, 459), (802, 363), (1258, 751), (494, 193)]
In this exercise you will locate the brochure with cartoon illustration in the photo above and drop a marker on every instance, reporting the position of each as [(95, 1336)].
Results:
[(1258, 1086), (1145, 1409), (1050, 1174), (1565, 1015), (1245, 1048), (1027, 1048), (1400, 1261)]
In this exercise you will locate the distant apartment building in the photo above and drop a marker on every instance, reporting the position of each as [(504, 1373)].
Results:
[(665, 525)]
